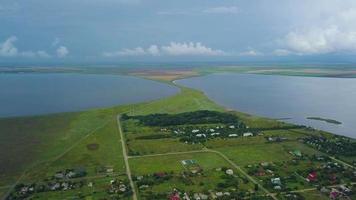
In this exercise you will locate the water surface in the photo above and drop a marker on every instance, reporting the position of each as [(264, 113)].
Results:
[(285, 97), (33, 94)]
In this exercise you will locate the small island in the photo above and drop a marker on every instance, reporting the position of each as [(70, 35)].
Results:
[(331, 121)]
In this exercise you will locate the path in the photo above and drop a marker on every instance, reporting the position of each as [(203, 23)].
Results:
[(124, 153)]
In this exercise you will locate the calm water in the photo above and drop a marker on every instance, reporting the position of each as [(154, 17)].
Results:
[(285, 97), (32, 94)]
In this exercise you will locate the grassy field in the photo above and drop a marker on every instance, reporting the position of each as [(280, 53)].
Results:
[(250, 154), (167, 163), (42, 139)]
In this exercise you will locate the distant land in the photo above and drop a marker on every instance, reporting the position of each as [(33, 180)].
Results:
[(331, 121)]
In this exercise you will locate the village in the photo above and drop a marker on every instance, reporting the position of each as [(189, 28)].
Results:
[(301, 169), (229, 187), (67, 180)]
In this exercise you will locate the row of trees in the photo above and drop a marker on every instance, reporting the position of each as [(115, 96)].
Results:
[(197, 117)]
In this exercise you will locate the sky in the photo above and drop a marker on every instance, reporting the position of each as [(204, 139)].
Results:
[(37, 31)]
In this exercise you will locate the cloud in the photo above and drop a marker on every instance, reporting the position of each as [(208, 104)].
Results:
[(335, 33), (222, 10), (7, 48), (251, 53), (62, 51), (153, 50), (173, 49), (138, 51), (191, 48)]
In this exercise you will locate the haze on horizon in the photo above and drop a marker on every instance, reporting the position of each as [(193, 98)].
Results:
[(39, 31)]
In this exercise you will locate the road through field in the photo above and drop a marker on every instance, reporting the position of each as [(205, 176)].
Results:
[(124, 153)]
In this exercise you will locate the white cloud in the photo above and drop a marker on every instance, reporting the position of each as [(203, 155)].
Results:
[(62, 51), (153, 50), (251, 53), (7, 48), (173, 49), (191, 48), (138, 51), (334, 33), (223, 10)]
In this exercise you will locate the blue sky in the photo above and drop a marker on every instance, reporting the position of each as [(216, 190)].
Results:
[(161, 30)]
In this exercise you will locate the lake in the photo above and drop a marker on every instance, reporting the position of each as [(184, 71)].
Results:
[(281, 97), (34, 94)]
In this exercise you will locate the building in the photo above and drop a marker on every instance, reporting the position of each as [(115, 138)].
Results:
[(248, 134), (312, 177), (229, 172)]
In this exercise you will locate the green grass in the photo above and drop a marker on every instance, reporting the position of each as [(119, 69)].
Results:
[(315, 195), (108, 153), (251, 154), (185, 101), (167, 163), (161, 146), (234, 142)]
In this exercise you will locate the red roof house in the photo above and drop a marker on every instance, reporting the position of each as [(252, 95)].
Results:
[(312, 177)]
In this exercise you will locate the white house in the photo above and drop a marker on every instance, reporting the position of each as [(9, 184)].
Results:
[(201, 135), (248, 134), (229, 172)]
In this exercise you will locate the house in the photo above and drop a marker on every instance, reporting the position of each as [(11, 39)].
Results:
[(229, 172), (232, 126), (174, 196), (233, 135), (211, 130), (195, 131), (248, 134), (200, 135), (334, 194), (276, 181), (277, 187), (213, 134), (312, 177)]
